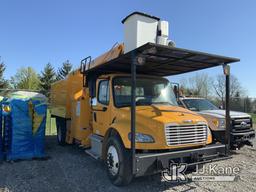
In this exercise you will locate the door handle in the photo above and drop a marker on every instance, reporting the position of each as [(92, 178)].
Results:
[(95, 116), (100, 108)]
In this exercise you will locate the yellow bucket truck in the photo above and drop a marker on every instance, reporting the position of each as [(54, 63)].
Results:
[(123, 111)]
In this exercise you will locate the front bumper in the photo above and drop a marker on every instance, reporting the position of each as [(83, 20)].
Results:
[(150, 163), (239, 139)]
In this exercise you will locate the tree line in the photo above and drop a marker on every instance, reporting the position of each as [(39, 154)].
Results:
[(214, 89), (28, 79), (201, 84)]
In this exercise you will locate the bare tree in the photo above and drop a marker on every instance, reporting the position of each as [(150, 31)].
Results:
[(220, 87), (198, 85), (201, 84), (3, 81), (184, 87)]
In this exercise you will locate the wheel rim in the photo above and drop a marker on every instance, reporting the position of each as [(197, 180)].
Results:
[(59, 134), (112, 160)]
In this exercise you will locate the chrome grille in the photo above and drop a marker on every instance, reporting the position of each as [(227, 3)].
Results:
[(185, 134), (242, 124)]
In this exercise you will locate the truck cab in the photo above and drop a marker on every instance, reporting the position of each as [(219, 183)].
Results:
[(242, 131), (157, 114)]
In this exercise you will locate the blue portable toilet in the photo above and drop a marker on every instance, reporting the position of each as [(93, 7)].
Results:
[(24, 125)]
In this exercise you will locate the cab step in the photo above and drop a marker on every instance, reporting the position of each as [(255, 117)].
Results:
[(96, 146), (92, 154)]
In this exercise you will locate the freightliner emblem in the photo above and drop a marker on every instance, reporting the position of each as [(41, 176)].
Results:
[(188, 121)]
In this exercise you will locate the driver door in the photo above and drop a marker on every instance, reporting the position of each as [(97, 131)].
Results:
[(101, 110)]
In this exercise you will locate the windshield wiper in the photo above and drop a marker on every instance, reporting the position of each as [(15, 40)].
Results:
[(163, 102)]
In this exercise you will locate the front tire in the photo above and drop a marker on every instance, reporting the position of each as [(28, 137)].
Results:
[(61, 130), (118, 162)]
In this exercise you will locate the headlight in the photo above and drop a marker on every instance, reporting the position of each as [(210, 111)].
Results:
[(219, 123), (142, 138)]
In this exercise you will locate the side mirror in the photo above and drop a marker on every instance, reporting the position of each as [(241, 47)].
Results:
[(220, 107), (94, 102)]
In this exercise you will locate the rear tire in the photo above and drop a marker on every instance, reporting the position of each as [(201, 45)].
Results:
[(61, 130), (118, 162)]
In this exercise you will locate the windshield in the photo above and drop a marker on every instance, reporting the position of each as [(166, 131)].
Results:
[(148, 91), (199, 104)]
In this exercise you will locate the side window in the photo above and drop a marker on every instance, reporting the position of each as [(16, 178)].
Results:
[(103, 92)]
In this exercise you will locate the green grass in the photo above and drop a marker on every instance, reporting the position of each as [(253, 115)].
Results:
[(50, 125), (253, 119)]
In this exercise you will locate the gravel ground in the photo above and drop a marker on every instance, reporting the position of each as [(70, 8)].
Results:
[(70, 169)]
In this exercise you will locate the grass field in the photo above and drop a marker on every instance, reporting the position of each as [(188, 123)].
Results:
[(50, 125), (253, 119)]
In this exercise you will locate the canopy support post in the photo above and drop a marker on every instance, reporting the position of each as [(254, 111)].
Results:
[(133, 111), (226, 69)]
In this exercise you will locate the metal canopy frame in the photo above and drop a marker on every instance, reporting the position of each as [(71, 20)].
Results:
[(159, 60)]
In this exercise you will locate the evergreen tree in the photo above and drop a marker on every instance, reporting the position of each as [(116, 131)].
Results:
[(64, 70), (47, 77)]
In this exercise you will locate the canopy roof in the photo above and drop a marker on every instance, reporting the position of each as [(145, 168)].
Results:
[(162, 60)]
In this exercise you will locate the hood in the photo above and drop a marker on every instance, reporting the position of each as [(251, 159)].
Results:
[(166, 114), (221, 113)]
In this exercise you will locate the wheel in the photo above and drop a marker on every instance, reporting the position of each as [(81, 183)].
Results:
[(61, 131), (118, 162)]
